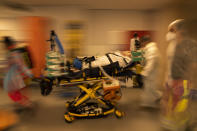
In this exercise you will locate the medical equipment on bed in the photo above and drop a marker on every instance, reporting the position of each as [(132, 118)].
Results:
[(99, 92)]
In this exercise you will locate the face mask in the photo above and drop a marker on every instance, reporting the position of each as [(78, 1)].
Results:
[(170, 36)]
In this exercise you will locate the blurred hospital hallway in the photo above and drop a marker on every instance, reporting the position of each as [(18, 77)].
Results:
[(50, 111)]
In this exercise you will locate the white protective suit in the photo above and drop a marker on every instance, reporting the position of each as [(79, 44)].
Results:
[(170, 56), (151, 73)]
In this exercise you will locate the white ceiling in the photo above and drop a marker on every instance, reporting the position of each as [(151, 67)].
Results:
[(101, 4)]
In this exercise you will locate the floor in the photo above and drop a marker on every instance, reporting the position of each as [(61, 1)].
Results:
[(50, 111)]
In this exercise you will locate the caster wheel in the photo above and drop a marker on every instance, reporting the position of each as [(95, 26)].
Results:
[(67, 104), (68, 118), (119, 114)]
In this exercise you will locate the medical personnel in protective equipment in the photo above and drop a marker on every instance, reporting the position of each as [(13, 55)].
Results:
[(16, 76), (150, 72), (182, 55)]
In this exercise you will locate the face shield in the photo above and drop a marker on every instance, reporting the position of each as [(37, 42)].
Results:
[(170, 36), (174, 29)]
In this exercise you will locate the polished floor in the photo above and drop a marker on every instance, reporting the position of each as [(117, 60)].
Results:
[(50, 111)]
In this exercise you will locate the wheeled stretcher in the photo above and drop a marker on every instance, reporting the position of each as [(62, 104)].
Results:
[(91, 103), (99, 93)]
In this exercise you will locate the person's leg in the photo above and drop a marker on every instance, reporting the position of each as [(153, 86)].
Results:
[(19, 98), (175, 114), (181, 103), (167, 93), (139, 80), (150, 94)]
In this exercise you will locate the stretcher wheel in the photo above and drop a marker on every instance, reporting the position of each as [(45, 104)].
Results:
[(67, 104), (119, 114), (68, 118)]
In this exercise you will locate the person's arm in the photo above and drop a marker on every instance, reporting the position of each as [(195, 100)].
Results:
[(191, 70), (183, 60)]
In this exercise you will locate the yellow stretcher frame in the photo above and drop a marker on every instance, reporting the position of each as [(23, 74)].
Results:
[(86, 115), (90, 94)]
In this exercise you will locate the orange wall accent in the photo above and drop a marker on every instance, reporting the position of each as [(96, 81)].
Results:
[(36, 30)]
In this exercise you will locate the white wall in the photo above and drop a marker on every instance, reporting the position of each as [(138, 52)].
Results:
[(102, 22), (9, 26), (98, 23), (57, 14)]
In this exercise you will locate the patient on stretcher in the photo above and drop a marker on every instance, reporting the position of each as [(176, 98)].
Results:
[(89, 67), (107, 59), (115, 64)]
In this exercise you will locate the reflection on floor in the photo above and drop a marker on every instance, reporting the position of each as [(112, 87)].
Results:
[(49, 115)]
